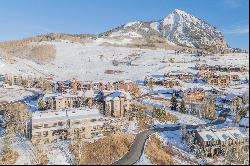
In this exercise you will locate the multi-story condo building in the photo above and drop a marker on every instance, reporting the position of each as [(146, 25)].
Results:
[(186, 76), (63, 101), (117, 103), (221, 81), (215, 141), (195, 94), (84, 123)]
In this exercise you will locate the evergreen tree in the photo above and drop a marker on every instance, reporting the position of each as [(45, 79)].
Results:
[(151, 85), (107, 110), (159, 113), (209, 108), (174, 103), (242, 112), (171, 84), (183, 107), (145, 81), (212, 110), (50, 104), (140, 114), (41, 104), (24, 83)]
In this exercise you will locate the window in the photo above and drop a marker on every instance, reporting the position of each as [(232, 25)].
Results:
[(45, 133), (37, 126), (77, 122), (46, 125), (60, 123), (92, 120), (38, 133)]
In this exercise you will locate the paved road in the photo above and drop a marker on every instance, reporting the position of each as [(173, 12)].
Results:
[(137, 146)]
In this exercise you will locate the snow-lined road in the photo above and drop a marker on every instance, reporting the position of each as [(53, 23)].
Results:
[(137, 147)]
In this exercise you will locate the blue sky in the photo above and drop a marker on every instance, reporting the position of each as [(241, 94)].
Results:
[(23, 18)]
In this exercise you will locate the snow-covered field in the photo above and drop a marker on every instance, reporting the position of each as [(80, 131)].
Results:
[(187, 119), (88, 62), (13, 94), (24, 149), (131, 127), (144, 160), (171, 139), (58, 153)]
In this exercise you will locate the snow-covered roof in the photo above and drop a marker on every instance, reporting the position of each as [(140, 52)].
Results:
[(236, 133), (128, 81), (89, 93), (212, 89), (207, 135), (178, 72), (67, 82), (115, 95), (160, 77), (194, 89), (244, 122), (223, 135), (50, 116), (67, 95), (61, 96), (47, 116), (230, 97), (83, 113)]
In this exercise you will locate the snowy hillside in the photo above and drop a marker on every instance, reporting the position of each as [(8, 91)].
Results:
[(98, 62)]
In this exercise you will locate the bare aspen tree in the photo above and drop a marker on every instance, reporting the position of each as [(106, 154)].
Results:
[(236, 154), (41, 157)]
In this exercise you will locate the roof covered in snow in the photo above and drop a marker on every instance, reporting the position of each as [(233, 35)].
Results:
[(236, 133), (207, 135), (244, 122), (89, 93), (115, 95), (223, 135), (48, 116), (60, 96)]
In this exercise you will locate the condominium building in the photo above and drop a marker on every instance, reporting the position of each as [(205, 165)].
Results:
[(63, 101), (215, 141), (195, 94), (84, 123), (117, 103)]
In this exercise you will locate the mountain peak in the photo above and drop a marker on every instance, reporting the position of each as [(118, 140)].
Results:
[(178, 11), (179, 27)]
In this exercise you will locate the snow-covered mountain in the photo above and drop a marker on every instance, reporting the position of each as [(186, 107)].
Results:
[(179, 28), (184, 29)]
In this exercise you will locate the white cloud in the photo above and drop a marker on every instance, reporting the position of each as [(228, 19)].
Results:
[(237, 30)]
